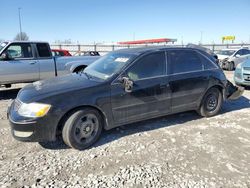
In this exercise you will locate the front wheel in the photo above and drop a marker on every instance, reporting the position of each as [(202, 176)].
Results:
[(82, 128), (211, 103)]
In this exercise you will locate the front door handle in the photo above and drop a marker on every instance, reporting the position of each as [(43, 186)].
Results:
[(162, 86), (33, 62)]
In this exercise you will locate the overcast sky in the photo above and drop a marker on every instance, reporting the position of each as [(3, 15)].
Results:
[(87, 21)]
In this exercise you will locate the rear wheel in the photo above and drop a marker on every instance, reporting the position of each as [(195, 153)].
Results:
[(211, 103), (82, 128)]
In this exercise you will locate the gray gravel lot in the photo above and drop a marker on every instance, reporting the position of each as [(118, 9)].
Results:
[(182, 150)]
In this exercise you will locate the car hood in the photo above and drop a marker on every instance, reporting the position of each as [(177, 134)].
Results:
[(45, 88), (221, 57)]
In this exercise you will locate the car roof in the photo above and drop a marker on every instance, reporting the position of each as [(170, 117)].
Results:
[(142, 50), (230, 49)]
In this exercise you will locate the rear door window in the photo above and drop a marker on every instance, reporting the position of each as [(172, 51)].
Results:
[(208, 61), (183, 61), (43, 50)]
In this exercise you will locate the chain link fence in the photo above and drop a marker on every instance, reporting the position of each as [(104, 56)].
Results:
[(74, 49)]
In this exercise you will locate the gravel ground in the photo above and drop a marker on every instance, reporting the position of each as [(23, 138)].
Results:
[(182, 150)]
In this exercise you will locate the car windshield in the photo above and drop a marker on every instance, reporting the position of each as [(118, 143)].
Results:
[(2, 45), (108, 65), (226, 52)]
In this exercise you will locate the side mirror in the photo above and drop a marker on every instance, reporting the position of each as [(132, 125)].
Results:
[(127, 84), (237, 55), (5, 56)]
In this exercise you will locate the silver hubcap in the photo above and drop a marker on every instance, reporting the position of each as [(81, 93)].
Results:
[(86, 128)]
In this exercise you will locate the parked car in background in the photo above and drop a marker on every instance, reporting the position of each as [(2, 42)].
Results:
[(230, 58), (87, 53), (122, 87), (22, 62), (91, 53), (242, 72), (57, 52)]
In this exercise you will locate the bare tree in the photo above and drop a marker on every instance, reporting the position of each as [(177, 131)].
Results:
[(23, 36)]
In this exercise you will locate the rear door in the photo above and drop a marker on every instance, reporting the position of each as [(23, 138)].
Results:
[(187, 78), (22, 67), (46, 61), (150, 95)]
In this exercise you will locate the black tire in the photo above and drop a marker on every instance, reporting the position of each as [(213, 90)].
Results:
[(82, 128), (7, 85), (211, 103)]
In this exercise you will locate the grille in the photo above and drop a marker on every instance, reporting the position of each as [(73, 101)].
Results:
[(246, 77), (17, 105), (246, 68)]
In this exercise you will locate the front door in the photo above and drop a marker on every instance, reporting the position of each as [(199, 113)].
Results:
[(149, 96), (22, 67)]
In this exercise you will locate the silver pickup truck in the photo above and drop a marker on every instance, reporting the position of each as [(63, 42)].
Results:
[(23, 62)]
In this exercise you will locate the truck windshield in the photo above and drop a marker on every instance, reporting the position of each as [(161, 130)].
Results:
[(108, 65), (2, 45)]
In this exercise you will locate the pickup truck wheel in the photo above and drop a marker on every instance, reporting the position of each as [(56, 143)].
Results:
[(82, 128), (211, 103), (7, 85), (79, 69)]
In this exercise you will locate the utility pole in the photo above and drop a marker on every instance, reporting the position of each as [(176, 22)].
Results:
[(20, 24)]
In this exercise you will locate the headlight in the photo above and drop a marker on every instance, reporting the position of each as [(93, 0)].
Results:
[(239, 66), (33, 110), (237, 72)]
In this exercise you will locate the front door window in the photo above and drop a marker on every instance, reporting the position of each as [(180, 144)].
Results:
[(17, 51)]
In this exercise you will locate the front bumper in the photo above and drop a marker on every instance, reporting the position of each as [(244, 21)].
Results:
[(242, 77), (242, 82), (31, 130)]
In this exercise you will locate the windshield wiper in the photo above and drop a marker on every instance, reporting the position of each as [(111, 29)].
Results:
[(90, 76)]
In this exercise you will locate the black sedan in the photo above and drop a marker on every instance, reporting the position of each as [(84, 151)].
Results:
[(122, 87)]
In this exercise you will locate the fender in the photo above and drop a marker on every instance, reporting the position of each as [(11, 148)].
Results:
[(71, 66)]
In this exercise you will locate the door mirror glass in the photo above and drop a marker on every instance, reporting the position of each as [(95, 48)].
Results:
[(127, 84), (151, 65)]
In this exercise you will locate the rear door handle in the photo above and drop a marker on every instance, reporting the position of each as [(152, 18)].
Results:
[(33, 62)]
